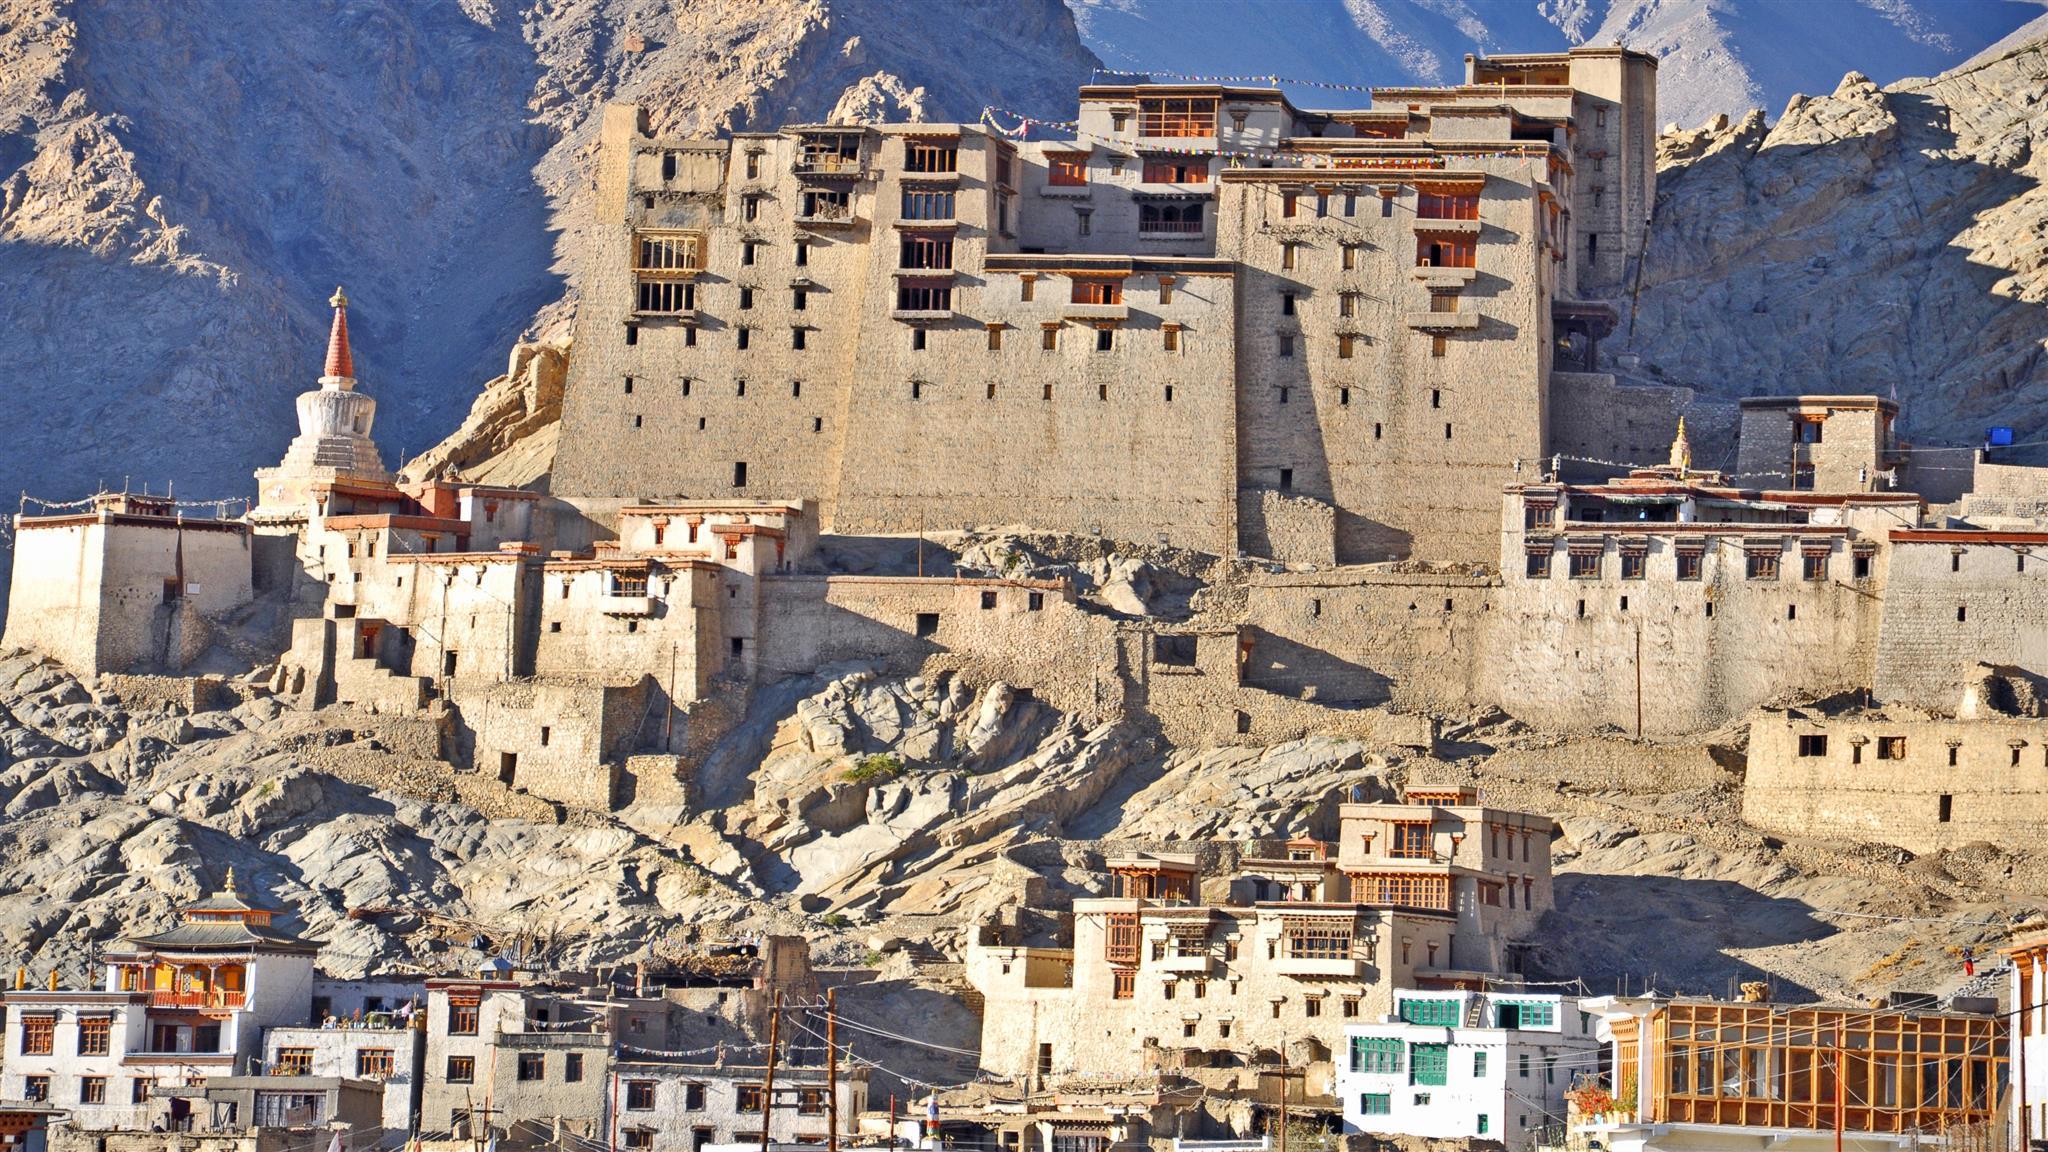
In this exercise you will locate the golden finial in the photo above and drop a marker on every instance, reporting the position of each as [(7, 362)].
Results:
[(339, 299), (229, 884), (1681, 450)]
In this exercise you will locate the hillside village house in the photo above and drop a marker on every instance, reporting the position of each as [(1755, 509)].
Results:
[(222, 1030), (510, 1057), (685, 1106), (1271, 961)]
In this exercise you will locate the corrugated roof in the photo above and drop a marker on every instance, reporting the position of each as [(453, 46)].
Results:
[(221, 934)]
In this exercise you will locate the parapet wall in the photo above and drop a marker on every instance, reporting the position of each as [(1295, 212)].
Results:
[(1594, 416), (1955, 600), (1033, 635)]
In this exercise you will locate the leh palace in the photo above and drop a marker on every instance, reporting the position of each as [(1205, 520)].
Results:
[(825, 386)]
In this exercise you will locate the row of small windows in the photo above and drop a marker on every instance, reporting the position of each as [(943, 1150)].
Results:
[(687, 386), (1429, 205), (1955, 561), (1814, 745), (914, 296), (1690, 565)]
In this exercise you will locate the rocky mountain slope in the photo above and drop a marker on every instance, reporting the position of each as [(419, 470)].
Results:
[(182, 185), (1719, 56), (1885, 239)]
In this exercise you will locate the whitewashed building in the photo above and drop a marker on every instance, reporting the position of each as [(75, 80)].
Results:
[(1457, 1064), (175, 1008)]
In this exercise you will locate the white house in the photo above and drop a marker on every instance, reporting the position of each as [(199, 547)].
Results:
[(1456, 1064), (175, 1008)]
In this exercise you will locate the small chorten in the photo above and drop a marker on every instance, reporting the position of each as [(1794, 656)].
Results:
[(333, 443), (1681, 450)]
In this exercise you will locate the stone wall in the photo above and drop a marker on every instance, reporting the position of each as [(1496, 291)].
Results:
[(139, 694), (1924, 785), (1595, 416), (1352, 637), (1287, 526), (1032, 635), (1955, 600), (1568, 652)]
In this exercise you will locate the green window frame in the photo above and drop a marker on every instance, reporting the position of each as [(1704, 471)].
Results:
[(1530, 1013), (1376, 1104), (1439, 1012), (1372, 1054), (1429, 1064), (1479, 1064), (1485, 1124)]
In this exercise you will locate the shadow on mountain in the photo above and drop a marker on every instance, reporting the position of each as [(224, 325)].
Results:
[(1671, 934)]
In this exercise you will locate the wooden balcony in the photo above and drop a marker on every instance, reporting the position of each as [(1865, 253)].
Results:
[(1440, 277), (214, 999), (1203, 964), (1344, 967), (1445, 226)]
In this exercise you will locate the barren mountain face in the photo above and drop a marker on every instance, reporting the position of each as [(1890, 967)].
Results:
[(182, 185), (1874, 239)]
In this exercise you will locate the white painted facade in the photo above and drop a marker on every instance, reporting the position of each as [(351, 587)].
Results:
[(1459, 1064)]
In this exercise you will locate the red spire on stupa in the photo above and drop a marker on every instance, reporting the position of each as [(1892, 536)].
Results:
[(339, 362)]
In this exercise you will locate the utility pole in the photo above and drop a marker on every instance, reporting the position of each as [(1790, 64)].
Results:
[(1639, 681), (1286, 1077), (668, 723), (832, 1070), (768, 1085)]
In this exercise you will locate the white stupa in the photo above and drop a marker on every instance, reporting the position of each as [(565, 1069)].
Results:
[(333, 445)]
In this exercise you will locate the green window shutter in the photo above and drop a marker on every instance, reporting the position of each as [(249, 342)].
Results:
[(1525, 1013), (1482, 1124), (1375, 1103), (1429, 1064), (1479, 1065), (1370, 1054), (1439, 1012)]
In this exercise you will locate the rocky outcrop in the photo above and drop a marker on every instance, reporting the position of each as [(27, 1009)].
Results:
[(111, 817), (508, 438), (1885, 239)]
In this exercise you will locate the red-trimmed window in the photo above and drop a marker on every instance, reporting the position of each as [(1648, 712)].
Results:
[(1176, 171), (1098, 291)]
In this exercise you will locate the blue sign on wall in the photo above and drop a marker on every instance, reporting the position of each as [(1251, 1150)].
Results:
[(1998, 437)]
